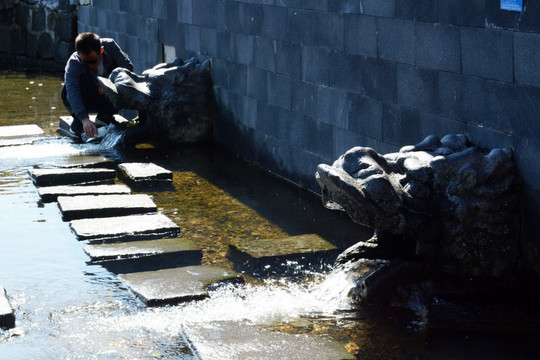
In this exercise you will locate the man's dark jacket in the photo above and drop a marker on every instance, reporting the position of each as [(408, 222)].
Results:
[(113, 57)]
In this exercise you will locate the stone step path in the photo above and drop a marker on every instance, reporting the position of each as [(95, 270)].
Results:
[(125, 228), (7, 315), (82, 161), (235, 340), (50, 177), (145, 175), (268, 256), (16, 135), (177, 285), (186, 248), (66, 121), (51, 193), (98, 206)]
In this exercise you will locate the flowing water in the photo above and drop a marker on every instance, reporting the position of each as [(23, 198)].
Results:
[(69, 309)]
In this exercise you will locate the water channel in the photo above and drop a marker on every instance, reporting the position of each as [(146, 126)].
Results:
[(67, 308)]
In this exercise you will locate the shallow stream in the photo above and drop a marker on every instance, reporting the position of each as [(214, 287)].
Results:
[(69, 309)]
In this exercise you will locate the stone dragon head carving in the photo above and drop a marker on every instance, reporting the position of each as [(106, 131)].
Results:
[(175, 100), (456, 203)]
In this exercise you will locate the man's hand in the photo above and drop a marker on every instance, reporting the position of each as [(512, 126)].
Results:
[(89, 128)]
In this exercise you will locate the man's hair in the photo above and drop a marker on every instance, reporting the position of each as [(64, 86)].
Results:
[(85, 43)]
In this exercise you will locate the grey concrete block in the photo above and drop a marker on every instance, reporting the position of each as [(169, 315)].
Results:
[(383, 8), (374, 78), (274, 22), (332, 106), (244, 48), (438, 47), (209, 42), (360, 35), (462, 12), (225, 46), (304, 98), (487, 53), (257, 83), (527, 58), (440, 126), (289, 59), (365, 116), (238, 78), (264, 55), (209, 13), (526, 157), (315, 28), (193, 37), (315, 65), (243, 109), (51, 177), (181, 247), (319, 137), (279, 91), (419, 10), (304, 4), (108, 205), (159, 9), (220, 73), (132, 227), (291, 128), (417, 88), (401, 125), (450, 95), (145, 174), (172, 34), (173, 286), (345, 140), (51, 193), (267, 120), (397, 40), (151, 29)]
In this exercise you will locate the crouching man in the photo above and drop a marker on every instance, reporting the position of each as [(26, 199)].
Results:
[(82, 93)]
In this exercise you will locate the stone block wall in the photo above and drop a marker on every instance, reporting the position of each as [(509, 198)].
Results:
[(37, 34), (299, 82)]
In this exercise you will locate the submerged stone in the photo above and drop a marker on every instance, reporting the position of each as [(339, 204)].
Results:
[(272, 255), (235, 340), (145, 174), (98, 206), (173, 286), (125, 250), (51, 193), (50, 177), (19, 131), (7, 315), (132, 227)]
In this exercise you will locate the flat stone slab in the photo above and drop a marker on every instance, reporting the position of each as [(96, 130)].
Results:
[(127, 250), (99, 206), (7, 315), (234, 340), (173, 286), (133, 227), (51, 193), (20, 131), (49, 177), (145, 174), (18, 141), (257, 255), (85, 161)]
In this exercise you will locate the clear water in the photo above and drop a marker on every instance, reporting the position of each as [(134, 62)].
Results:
[(68, 309)]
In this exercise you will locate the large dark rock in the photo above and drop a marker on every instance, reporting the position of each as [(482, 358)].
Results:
[(175, 100), (7, 315)]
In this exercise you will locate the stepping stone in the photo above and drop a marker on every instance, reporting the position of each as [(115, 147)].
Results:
[(7, 315), (66, 121), (82, 162), (18, 141), (264, 256), (20, 131), (49, 177), (215, 340), (174, 286), (51, 193), (133, 227), (145, 174), (180, 246), (99, 206)]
